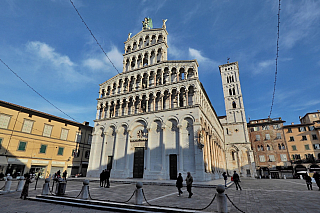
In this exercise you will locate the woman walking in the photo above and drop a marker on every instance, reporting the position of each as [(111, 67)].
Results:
[(179, 184), (225, 177), (25, 190)]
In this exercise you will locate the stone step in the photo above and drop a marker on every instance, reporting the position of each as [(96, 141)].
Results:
[(105, 205)]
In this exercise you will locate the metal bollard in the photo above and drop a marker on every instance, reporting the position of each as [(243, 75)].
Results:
[(138, 194), (260, 176), (284, 177), (221, 199), (20, 184), (8, 184), (46, 187), (269, 176), (85, 190)]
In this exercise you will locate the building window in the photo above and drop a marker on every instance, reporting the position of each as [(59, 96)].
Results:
[(257, 137), (254, 129), (289, 130), (258, 148), (307, 147), (1, 142), (262, 149), (311, 128), (43, 148), (283, 146), (233, 155), (234, 105), (296, 157), (262, 158), (267, 136), (27, 126), (294, 148), (271, 158), (316, 146), (265, 127), (60, 151), (278, 135), (268, 148), (47, 130), (89, 139), (64, 134), (75, 153), (302, 129), (304, 137), (78, 137), (22, 146), (87, 154), (279, 146), (276, 126), (291, 138), (314, 137), (283, 157), (4, 121)]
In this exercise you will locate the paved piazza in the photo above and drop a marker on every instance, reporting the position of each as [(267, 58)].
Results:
[(263, 195)]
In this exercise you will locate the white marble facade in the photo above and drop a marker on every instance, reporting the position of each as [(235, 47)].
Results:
[(154, 119)]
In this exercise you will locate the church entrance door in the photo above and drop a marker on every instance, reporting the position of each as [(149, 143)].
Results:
[(173, 167), (138, 162)]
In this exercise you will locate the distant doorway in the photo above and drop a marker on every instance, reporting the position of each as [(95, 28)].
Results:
[(173, 167), (138, 162)]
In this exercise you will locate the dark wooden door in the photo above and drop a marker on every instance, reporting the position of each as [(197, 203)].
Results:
[(138, 162), (173, 167)]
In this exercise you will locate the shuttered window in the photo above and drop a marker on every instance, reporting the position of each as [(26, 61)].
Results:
[(64, 134), (4, 121), (47, 130), (27, 126), (22, 146), (43, 148)]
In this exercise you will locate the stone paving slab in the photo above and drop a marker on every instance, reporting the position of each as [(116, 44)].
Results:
[(258, 195)]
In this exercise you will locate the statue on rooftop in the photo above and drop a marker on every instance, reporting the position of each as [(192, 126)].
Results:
[(164, 23), (147, 24)]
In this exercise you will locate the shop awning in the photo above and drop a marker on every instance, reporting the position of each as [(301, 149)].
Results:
[(3, 161)]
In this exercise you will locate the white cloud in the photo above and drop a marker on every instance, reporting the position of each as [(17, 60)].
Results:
[(204, 61), (301, 18), (54, 63), (100, 62)]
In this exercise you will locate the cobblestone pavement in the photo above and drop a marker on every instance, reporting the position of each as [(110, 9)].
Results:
[(276, 195)]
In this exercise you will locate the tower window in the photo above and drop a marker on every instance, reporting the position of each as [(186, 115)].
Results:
[(234, 105)]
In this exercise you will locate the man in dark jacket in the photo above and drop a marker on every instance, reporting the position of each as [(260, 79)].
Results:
[(189, 181), (316, 177), (236, 180), (179, 184), (101, 178), (106, 179)]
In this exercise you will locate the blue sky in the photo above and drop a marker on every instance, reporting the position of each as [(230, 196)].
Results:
[(46, 43)]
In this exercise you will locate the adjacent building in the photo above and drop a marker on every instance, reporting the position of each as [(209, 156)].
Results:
[(304, 144), (154, 119), (34, 141), (270, 148)]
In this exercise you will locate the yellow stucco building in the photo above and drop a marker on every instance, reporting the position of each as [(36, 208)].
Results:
[(34, 141)]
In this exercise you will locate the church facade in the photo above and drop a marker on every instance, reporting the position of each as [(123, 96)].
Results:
[(154, 119)]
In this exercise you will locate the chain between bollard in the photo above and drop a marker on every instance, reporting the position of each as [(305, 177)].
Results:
[(2, 187), (214, 197), (130, 197), (234, 204), (89, 194), (79, 193), (145, 198)]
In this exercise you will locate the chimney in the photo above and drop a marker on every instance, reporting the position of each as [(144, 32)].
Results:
[(292, 123), (86, 123)]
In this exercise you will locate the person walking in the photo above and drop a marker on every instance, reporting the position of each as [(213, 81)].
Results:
[(309, 182), (316, 177), (189, 181), (179, 184), (225, 177), (25, 190), (64, 175), (106, 179), (236, 180), (58, 174), (101, 178)]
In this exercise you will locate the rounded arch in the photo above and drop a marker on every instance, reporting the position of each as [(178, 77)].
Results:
[(140, 120)]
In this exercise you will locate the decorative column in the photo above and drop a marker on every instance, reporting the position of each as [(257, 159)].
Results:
[(161, 96), (187, 100), (154, 103), (180, 151), (147, 105), (178, 102), (163, 151), (169, 94), (148, 150)]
